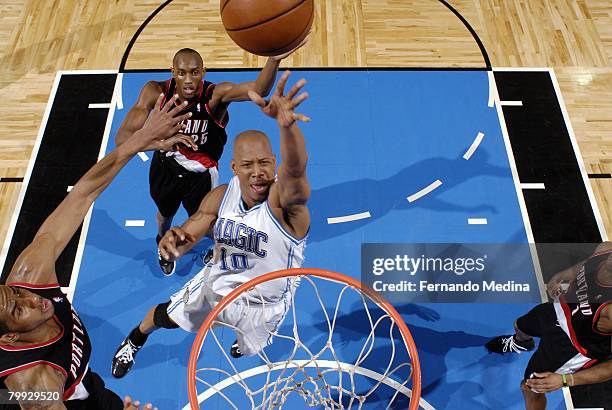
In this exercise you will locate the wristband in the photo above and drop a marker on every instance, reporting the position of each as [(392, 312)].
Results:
[(564, 378)]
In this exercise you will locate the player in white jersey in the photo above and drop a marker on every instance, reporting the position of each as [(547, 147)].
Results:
[(259, 222)]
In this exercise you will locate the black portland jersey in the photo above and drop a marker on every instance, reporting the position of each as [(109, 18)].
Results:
[(206, 130), (68, 352), (582, 306)]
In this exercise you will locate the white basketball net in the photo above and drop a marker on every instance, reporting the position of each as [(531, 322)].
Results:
[(318, 374)]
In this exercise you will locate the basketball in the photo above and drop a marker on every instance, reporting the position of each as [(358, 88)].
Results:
[(265, 27)]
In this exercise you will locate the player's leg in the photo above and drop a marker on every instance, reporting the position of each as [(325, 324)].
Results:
[(533, 400), (254, 326), (526, 328), (164, 191), (184, 309)]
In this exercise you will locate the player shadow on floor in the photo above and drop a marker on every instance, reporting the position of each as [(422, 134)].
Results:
[(117, 240), (380, 197), (352, 329)]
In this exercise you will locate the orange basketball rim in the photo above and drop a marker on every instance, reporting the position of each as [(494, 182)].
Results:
[(312, 272)]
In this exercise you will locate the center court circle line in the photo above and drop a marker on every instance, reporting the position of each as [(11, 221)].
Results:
[(328, 364), (348, 218)]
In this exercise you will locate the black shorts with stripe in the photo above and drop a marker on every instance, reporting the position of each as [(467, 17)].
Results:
[(170, 185), (555, 348)]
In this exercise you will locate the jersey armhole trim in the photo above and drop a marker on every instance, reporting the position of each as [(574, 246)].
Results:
[(68, 393), (225, 194), (221, 123), (28, 285), (596, 318), (278, 224)]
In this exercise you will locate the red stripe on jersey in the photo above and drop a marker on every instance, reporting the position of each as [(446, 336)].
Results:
[(568, 319), (28, 285), (71, 389), (200, 157), (37, 345), (589, 364)]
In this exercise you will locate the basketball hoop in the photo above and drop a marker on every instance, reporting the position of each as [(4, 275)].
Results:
[(377, 371)]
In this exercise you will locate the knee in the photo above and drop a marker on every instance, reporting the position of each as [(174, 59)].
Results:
[(161, 318)]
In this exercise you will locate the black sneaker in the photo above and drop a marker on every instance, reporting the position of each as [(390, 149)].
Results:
[(124, 358), (167, 267), (235, 351), (508, 344)]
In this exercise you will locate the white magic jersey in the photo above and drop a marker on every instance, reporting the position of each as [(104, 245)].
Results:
[(248, 244)]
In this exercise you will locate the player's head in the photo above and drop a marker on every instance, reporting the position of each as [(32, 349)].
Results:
[(187, 70), (255, 164), (21, 311)]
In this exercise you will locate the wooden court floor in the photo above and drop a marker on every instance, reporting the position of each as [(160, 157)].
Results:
[(40, 37)]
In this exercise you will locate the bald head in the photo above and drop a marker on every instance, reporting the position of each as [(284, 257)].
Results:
[(187, 52), (249, 141)]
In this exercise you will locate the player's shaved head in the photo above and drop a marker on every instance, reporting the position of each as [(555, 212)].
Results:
[(247, 140), (187, 52)]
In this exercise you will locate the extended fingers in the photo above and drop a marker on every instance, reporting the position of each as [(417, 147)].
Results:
[(301, 117), (169, 103), (298, 100), (280, 87), (256, 98), (296, 87)]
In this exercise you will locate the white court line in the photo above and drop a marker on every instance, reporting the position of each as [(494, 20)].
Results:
[(119, 89), (329, 364), (492, 89), (521, 200), (85, 227), (511, 103), (69, 188), (348, 218), (26, 179), (468, 154), (134, 222), (477, 221), (567, 395), (143, 156), (72, 72), (578, 155), (99, 105), (424, 191), (533, 186)]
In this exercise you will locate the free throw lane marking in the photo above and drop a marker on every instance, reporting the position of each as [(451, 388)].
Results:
[(134, 222), (101, 105), (468, 154), (511, 103), (348, 218), (533, 186), (477, 221)]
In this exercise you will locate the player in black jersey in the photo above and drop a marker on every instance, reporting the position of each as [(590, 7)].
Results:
[(185, 174), (44, 346), (575, 331)]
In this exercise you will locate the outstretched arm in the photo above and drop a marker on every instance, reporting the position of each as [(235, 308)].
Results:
[(288, 196), (36, 262), (547, 382), (179, 240), (226, 92)]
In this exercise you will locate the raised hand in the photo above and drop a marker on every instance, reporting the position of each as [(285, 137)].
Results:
[(172, 144), (282, 107), (128, 404), (288, 53), (174, 237), (163, 122)]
